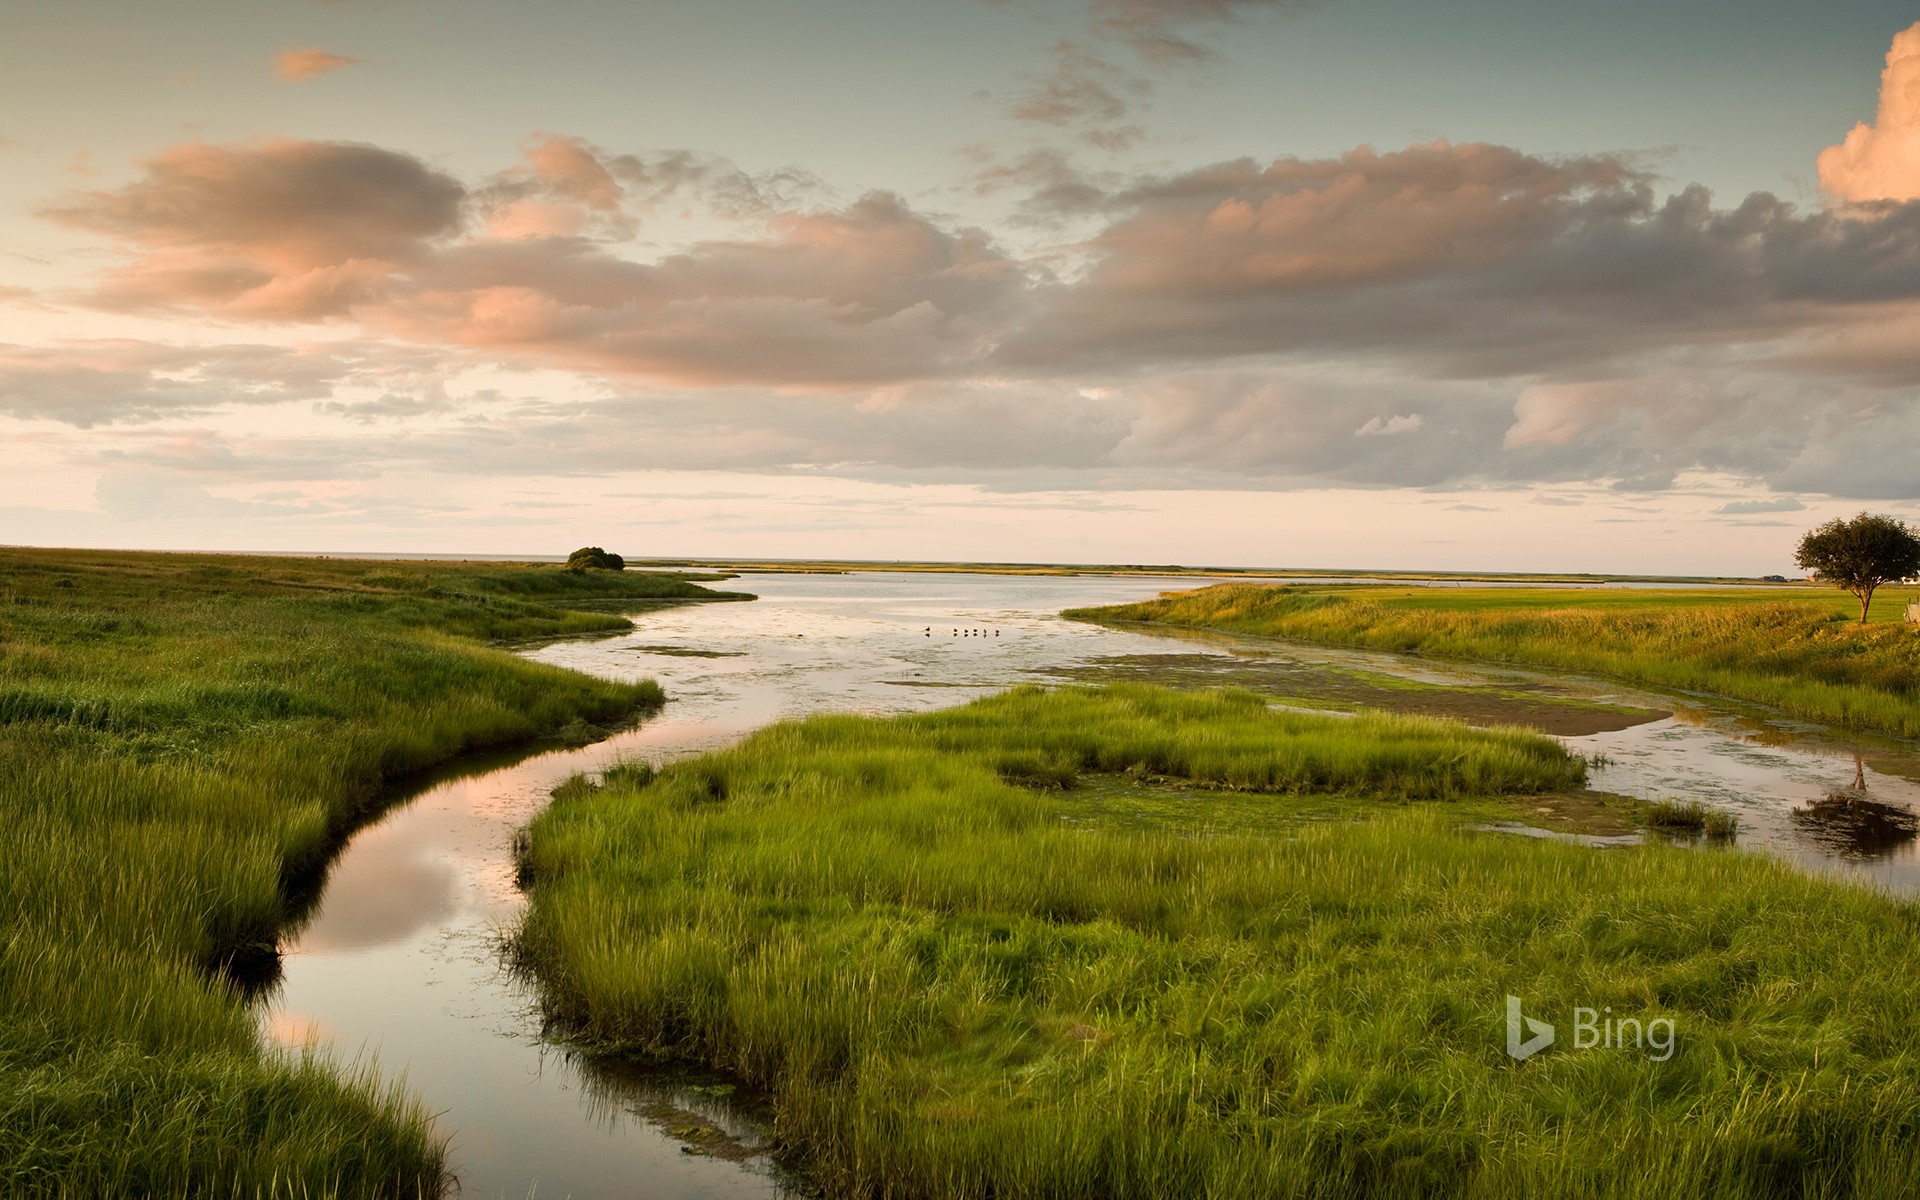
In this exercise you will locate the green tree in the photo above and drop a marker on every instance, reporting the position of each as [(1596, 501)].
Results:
[(1861, 554), (594, 558)]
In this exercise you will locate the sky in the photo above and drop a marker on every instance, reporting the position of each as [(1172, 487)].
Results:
[(1489, 285)]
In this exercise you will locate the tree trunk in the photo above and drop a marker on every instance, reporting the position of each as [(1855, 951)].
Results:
[(1866, 598)]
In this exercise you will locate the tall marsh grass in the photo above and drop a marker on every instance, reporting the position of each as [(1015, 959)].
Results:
[(1801, 656), (184, 740), (954, 990)]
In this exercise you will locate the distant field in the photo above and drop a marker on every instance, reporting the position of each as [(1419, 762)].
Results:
[(1126, 944), (183, 741), (837, 566), (1800, 650)]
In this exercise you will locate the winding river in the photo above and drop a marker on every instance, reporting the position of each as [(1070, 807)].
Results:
[(400, 964)]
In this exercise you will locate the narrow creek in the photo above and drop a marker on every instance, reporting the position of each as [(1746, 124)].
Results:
[(400, 963)]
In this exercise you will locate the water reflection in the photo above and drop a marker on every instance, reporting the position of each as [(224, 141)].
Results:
[(391, 888), (1857, 829), (1850, 823), (401, 959)]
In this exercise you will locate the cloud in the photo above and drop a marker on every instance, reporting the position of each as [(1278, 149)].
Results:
[(564, 190), (1445, 315), (1881, 161), (963, 432), (298, 66), (569, 187), (282, 229), (1784, 504), (1459, 260), (1283, 428), (1390, 426), (1161, 30), (295, 231), (1092, 96), (1084, 93), (202, 453), (1056, 188), (868, 294), (121, 381), (390, 406)]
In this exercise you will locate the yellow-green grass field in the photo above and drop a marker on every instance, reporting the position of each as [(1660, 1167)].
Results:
[(962, 973), (184, 739), (1800, 650)]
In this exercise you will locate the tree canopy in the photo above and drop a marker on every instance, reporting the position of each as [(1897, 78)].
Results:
[(593, 558), (1861, 554)]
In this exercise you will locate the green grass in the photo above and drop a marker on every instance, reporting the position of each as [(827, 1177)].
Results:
[(1691, 816), (185, 740), (1797, 651), (956, 988)]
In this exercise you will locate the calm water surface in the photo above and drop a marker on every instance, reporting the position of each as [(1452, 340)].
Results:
[(401, 962)]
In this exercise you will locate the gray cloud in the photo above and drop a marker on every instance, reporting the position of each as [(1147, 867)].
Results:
[(1086, 94), (1164, 31), (1053, 189), (1095, 98), (120, 381), (1443, 316), (1461, 261), (570, 187)]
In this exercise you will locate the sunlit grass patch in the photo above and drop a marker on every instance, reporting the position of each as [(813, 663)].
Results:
[(956, 987), (1794, 651)]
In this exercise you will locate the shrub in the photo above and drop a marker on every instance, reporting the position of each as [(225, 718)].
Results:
[(593, 558)]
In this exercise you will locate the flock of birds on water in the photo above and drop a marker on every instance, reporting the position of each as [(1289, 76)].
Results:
[(966, 632)]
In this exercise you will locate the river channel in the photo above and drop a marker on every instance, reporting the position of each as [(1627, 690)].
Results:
[(401, 966)]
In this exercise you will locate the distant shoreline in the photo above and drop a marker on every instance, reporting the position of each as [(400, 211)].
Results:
[(831, 566)]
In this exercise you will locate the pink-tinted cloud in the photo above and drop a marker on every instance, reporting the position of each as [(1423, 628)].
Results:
[(563, 190), (1881, 161), (291, 230), (298, 66), (866, 294), (284, 229), (1457, 260), (1496, 316), (568, 187)]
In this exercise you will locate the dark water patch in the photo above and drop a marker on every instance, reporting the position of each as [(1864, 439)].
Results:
[(689, 652), (704, 1113), (1849, 824)]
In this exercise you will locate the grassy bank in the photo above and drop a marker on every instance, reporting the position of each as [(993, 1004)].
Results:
[(1799, 652), (184, 739), (959, 981)]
